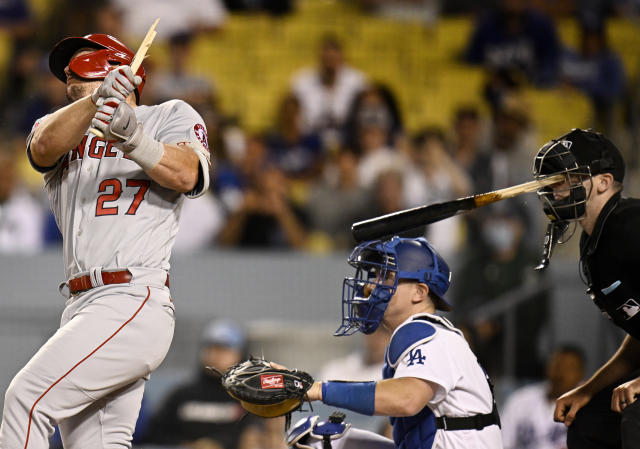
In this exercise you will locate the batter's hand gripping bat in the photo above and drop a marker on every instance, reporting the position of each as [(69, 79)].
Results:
[(394, 223), (137, 60)]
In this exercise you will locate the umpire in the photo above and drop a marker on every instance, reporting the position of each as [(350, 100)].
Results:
[(603, 412)]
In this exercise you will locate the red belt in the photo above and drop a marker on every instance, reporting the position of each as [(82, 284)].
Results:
[(83, 283)]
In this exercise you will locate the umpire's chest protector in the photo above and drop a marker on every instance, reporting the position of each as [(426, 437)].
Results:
[(610, 263)]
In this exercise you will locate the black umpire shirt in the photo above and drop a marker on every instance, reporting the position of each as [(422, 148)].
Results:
[(610, 261)]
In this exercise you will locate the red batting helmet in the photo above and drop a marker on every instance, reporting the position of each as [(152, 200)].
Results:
[(110, 52)]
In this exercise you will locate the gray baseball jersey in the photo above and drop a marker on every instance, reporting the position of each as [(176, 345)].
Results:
[(89, 376), (110, 213)]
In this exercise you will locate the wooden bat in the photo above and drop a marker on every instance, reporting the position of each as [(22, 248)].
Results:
[(137, 60), (394, 223)]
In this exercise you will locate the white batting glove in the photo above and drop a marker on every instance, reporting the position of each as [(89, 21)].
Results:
[(119, 83), (103, 117), (131, 138)]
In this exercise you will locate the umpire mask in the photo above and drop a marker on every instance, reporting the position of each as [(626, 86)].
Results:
[(556, 157)]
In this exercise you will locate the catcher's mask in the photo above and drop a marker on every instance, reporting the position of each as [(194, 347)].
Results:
[(380, 265), (109, 53), (578, 155)]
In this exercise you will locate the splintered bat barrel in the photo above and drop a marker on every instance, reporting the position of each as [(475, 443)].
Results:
[(404, 220), (397, 222)]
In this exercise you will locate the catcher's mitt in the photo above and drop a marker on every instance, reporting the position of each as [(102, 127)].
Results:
[(266, 391)]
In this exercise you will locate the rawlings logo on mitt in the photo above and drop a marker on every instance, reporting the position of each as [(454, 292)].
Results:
[(264, 390)]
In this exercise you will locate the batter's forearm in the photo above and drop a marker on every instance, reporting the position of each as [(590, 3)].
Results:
[(177, 170), (61, 131)]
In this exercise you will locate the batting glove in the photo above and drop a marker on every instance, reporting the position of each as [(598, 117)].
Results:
[(118, 84), (131, 138), (103, 117)]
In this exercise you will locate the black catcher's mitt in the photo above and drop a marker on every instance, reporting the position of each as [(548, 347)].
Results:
[(266, 391)]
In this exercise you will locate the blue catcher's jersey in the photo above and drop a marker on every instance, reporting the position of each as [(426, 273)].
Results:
[(429, 347)]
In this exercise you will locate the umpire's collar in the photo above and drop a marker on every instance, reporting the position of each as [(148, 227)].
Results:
[(588, 243)]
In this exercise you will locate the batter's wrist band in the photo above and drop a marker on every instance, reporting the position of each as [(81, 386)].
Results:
[(357, 396), (147, 153)]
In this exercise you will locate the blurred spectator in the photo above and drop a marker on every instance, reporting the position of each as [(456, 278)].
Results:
[(373, 127), (326, 92), (185, 16), (297, 153), (437, 178), (625, 8), (511, 143), (596, 70), (389, 196), (15, 17), (497, 258), (200, 222), (266, 217), (241, 160), (497, 261), (108, 18), (510, 164), (338, 201), (527, 415), (275, 7), (425, 11), (388, 192), (21, 216), (361, 365), (20, 80), (176, 80), (469, 149), (632, 120), (46, 95), (80, 17), (200, 414), (375, 101), (514, 37)]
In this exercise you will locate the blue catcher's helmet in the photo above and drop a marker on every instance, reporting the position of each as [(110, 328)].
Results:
[(408, 258)]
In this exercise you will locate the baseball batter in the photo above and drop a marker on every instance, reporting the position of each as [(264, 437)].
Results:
[(117, 204), (434, 390)]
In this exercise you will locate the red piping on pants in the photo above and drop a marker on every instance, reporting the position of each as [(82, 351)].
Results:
[(78, 364)]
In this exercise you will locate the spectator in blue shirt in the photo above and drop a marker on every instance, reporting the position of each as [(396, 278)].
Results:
[(516, 38), (596, 70)]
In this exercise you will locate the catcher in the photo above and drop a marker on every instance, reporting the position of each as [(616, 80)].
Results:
[(434, 390)]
